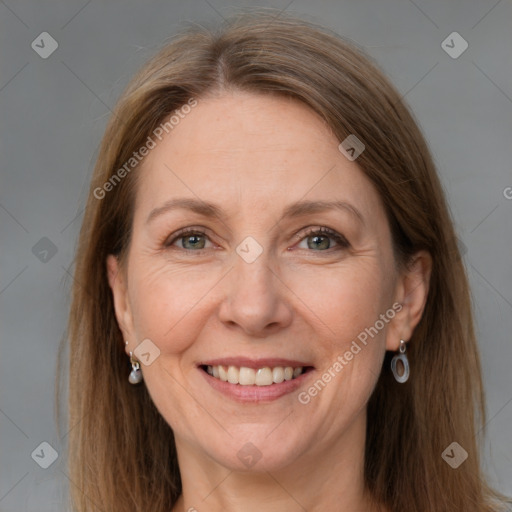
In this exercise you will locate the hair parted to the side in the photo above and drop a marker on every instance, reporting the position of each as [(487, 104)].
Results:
[(121, 451)]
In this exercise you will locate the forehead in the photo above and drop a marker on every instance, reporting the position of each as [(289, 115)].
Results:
[(248, 151)]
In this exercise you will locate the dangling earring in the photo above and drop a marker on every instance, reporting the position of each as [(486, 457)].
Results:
[(400, 357), (136, 374)]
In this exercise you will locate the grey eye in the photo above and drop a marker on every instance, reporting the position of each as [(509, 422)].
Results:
[(193, 241)]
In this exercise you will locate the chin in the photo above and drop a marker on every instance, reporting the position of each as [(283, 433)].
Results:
[(258, 452)]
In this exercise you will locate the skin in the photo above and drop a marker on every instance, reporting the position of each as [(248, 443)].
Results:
[(252, 155)]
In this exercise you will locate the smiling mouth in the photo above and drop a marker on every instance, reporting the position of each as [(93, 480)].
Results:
[(265, 376)]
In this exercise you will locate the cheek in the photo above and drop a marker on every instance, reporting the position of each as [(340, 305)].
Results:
[(345, 300), (349, 303), (165, 301)]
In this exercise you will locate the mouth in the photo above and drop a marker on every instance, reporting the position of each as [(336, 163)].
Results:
[(262, 380), (255, 381), (254, 376)]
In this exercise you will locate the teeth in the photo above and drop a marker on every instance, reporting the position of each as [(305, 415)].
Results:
[(249, 377), (264, 377), (278, 374), (233, 375), (223, 374)]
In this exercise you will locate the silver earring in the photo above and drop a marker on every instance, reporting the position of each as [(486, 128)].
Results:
[(136, 374), (400, 357)]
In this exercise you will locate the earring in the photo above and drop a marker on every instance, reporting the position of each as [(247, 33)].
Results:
[(400, 357), (136, 374)]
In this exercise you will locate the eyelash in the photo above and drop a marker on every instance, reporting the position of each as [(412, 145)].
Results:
[(319, 231)]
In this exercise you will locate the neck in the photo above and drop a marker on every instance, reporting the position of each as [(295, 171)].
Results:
[(328, 478)]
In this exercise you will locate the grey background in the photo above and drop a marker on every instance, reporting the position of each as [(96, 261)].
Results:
[(53, 113)]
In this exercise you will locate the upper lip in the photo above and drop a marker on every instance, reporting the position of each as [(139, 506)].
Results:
[(247, 362)]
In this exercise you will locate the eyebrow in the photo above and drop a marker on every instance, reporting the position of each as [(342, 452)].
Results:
[(297, 209)]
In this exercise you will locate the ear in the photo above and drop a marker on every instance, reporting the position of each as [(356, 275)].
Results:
[(411, 292), (118, 285)]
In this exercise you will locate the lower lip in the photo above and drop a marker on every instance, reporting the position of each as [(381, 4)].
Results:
[(255, 393)]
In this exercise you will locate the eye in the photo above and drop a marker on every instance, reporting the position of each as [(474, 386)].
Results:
[(190, 239), (320, 239)]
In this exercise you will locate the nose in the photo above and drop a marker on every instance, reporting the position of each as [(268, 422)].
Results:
[(255, 299)]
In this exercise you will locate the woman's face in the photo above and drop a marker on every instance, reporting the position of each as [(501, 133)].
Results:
[(255, 285)]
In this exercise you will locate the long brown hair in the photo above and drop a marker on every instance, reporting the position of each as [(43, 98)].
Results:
[(121, 451)]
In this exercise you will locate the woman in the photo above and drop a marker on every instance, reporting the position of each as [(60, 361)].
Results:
[(270, 309)]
